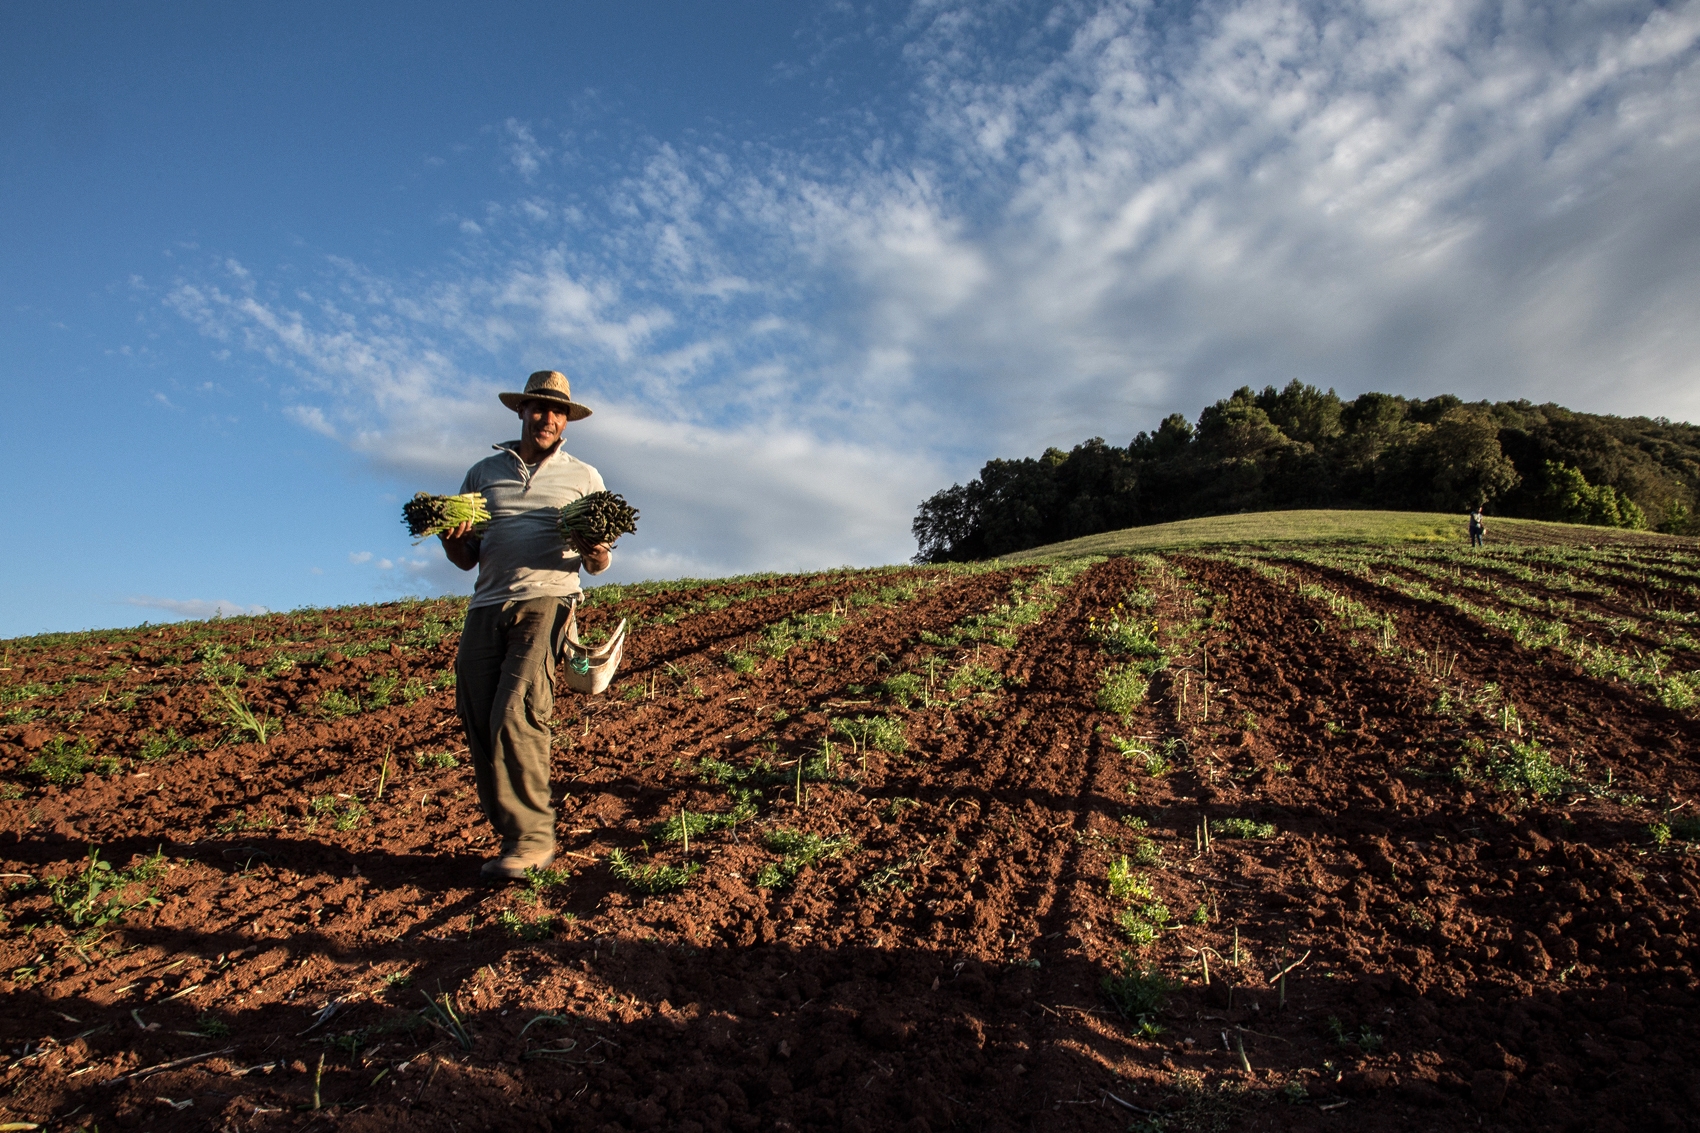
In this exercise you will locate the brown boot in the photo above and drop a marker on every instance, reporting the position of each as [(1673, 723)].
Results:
[(511, 866)]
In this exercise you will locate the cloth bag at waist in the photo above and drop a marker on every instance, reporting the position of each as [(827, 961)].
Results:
[(587, 670)]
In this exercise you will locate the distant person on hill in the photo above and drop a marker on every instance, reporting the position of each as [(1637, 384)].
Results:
[(528, 579), (1478, 529)]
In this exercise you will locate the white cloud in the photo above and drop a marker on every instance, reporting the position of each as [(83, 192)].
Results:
[(1088, 216), (310, 417), (359, 558), (196, 607), (523, 150)]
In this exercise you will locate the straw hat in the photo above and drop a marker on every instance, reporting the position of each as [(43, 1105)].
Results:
[(548, 385)]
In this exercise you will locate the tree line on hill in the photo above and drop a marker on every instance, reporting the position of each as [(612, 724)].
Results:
[(1301, 448)]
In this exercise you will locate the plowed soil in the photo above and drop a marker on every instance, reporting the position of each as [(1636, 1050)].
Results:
[(1455, 952)]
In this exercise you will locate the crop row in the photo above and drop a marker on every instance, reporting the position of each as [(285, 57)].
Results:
[(1652, 673), (1651, 624)]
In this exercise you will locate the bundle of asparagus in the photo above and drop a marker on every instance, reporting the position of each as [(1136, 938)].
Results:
[(600, 517), (427, 515)]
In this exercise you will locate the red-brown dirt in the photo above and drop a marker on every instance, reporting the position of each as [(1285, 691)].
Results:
[(1458, 952)]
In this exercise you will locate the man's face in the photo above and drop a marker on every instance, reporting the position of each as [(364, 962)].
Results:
[(542, 422)]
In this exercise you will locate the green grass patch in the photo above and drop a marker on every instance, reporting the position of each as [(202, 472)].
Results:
[(696, 823), (1126, 632), (434, 760), (64, 762), (244, 723), (1121, 689), (801, 850), (1242, 828), (1125, 884), (98, 895), (654, 879), (155, 746), (1142, 924), (334, 704), (1154, 762), (540, 927), (879, 733), (341, 813), (972, 678), (1319, 525), (896, 807), (1524, 765), (904, 688), (1138, 994)]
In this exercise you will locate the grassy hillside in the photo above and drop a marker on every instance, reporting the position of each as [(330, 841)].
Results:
[(1334, 526)]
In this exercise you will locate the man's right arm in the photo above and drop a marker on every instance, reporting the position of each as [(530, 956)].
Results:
[(461, 546)]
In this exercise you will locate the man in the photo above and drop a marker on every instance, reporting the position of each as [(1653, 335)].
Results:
[(528, 578), (1478, 529)]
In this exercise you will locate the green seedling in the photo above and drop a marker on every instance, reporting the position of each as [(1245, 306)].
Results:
[(438, 760), (652, 880), (1138, 994), (63, 762), (98, 895), (1682, 828), (1156, 765), (343, 813), (1242, 828), (896, 807), (1139, 932), (442, 1013), (248, 821), (800, 850), (904, 688), (1125, 884), (541, 879), (973, 678), (215, 668), (1146, 853), (380, 689), (211, 1026), (740, 662), (1365, 1038), (1121, 689), (693, 824), (895, 875), (879, 733), (1524, 765), (333, 704), (154, 748), (1125, 632), (516, 926), (428, 634), (244, 724)]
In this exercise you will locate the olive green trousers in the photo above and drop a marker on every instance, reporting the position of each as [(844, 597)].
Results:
[(505, 696)]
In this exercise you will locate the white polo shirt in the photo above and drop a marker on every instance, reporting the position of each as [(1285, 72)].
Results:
[(523, 553)]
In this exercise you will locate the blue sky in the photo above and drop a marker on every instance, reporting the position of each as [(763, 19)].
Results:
[(266, 267)]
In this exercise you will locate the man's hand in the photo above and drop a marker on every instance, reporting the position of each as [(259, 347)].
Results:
[(461, 546), (595, 556)]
